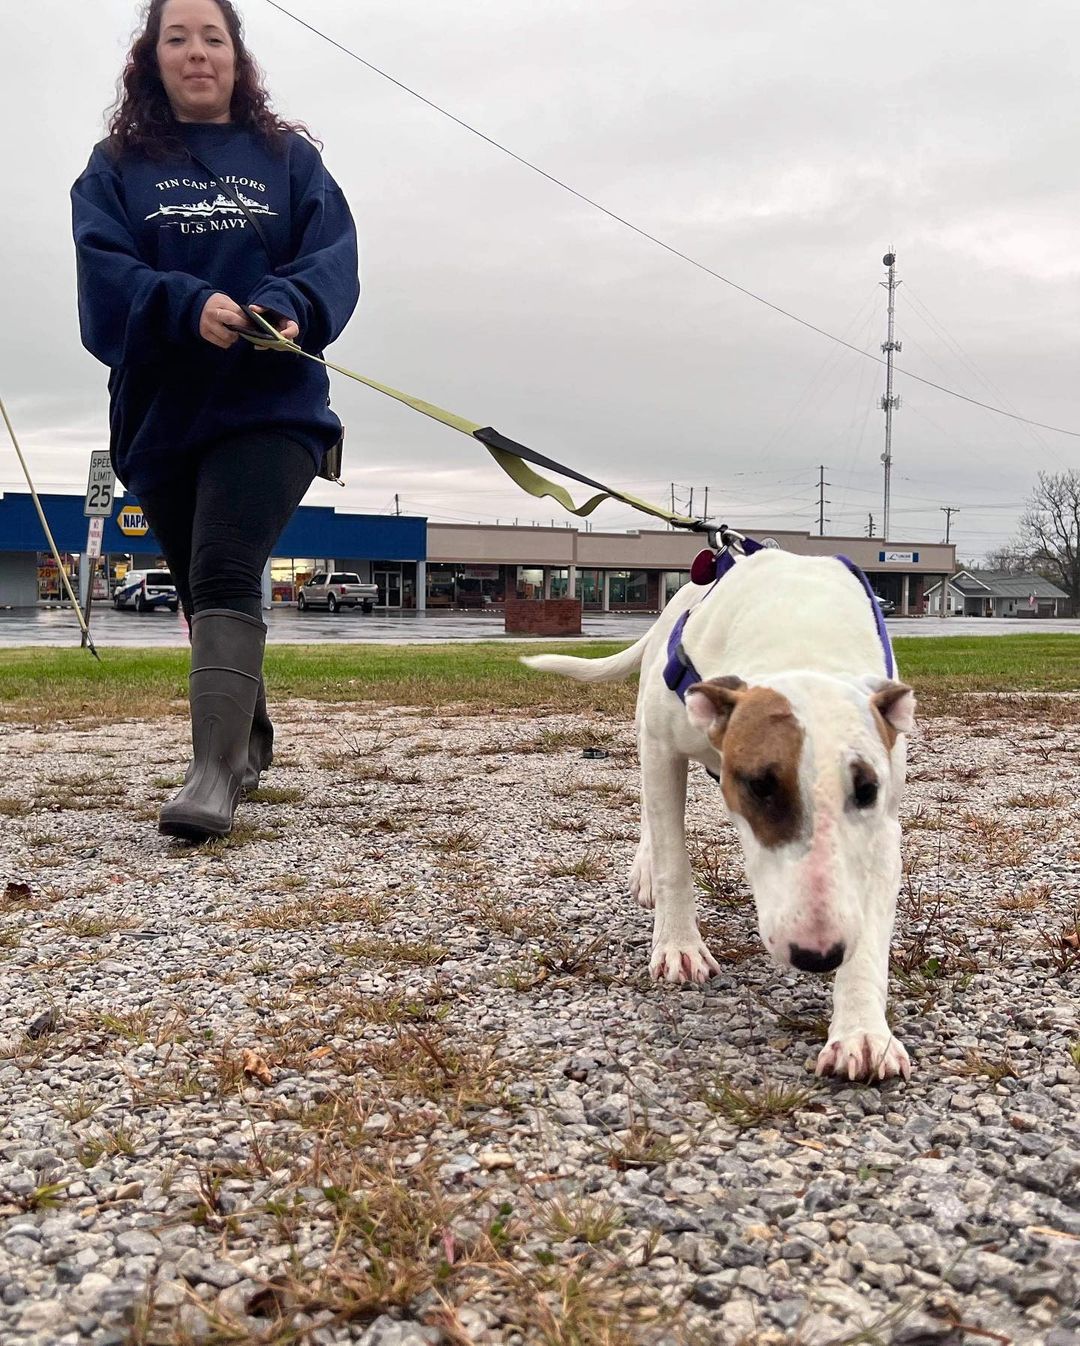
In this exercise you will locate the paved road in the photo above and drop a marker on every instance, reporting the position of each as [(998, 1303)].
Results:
[(53, 626)]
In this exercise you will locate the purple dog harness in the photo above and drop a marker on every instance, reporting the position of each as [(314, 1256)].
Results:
[(710, 568)]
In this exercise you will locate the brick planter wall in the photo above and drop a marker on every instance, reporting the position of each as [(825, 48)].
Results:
[(543, 616)]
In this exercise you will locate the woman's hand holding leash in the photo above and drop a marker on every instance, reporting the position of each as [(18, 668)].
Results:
[(286, 326), (223, 321)]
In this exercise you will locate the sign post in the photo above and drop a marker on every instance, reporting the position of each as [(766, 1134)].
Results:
[(93, 551), (98, 506)]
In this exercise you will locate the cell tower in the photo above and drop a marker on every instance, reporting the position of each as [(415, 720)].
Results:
[(889, 401)]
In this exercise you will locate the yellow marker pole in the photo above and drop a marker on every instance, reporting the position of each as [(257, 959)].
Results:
[(48, 533)]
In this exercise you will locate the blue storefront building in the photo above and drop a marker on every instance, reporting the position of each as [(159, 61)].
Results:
[(389, 550)]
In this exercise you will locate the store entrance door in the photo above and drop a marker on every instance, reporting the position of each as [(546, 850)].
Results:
[(389, 582)]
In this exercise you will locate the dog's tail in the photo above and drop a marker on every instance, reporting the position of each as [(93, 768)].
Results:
[(612, 669)]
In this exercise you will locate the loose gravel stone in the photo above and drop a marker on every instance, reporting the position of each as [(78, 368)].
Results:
[(455, 1026)]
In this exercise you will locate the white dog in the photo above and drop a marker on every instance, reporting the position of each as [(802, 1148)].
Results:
[(794, 713)]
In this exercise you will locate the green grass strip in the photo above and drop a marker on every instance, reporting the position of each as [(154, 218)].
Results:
[(51, 684)]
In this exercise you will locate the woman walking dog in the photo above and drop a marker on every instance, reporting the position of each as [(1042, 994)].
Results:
[(202, 201)]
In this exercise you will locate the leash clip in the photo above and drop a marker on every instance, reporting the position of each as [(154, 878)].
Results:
[(725, 544)]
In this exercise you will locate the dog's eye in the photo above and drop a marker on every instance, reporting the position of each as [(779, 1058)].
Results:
[(865, 790), (761, 787)]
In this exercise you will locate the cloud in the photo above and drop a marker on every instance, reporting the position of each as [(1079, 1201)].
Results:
[(786, 146)]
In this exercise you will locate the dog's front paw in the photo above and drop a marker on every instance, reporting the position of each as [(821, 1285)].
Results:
[(864, 1056), (640, 883), (676, 962)]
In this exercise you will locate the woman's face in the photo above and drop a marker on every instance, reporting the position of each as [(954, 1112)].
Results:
[(197, 60)]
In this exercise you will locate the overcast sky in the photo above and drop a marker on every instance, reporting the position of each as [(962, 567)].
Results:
[(786, 145)]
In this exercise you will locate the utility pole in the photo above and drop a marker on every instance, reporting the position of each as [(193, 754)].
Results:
[(949, 511), (705, 511), (889, 402), (397, 504), (870, 525), (822, 502), (671, 525)]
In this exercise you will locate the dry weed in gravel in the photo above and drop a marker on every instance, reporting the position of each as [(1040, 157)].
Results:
[(467, 1113)]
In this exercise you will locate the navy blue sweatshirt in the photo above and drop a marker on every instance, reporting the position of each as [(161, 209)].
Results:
[(155, 238)]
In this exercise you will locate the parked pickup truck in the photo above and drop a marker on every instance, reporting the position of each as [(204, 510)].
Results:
[(341, 589)]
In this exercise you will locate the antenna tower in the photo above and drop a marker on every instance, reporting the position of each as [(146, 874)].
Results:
[(889, 400)]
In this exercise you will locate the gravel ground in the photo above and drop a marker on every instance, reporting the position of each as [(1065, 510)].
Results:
[(386, 1066)]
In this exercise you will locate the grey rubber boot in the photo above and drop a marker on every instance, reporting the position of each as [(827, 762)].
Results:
[(261, 743), (226, 668)]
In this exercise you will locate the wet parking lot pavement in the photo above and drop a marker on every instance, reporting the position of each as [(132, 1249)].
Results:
[(57, 626)]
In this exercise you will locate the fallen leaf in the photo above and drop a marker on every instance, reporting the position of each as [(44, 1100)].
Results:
[(17, 892), (253, 1065), (320, 1052)]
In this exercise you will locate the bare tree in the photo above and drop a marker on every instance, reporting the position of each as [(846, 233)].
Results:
[(1050, 530), (1009, 560)]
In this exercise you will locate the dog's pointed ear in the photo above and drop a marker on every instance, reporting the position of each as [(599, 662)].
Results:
[(895, 703), (709, 704)]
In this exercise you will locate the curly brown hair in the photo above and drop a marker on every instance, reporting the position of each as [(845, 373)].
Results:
[(142, 121)]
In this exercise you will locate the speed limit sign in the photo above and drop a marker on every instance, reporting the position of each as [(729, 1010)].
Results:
[(101, 487)]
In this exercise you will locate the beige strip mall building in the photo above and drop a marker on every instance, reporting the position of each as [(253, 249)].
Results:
[(474, 566)]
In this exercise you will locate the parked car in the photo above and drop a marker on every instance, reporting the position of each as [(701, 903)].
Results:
[(887, 606), (341, 589), (145, 590)]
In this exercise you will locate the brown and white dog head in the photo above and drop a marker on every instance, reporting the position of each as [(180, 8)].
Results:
[(813, 767)]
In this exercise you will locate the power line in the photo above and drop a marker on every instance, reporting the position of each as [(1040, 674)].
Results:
[(659, 242)]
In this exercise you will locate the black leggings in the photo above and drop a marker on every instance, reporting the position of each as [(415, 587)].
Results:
[(218, 522)]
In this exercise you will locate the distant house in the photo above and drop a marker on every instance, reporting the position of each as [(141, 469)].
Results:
[(995, 593)]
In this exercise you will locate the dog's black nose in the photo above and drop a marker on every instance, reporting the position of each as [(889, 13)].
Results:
[(808, 960)]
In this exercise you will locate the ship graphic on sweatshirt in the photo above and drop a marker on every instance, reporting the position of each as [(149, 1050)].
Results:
[(221, 205)]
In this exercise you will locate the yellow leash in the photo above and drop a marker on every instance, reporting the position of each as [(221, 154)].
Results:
[(512, 457)]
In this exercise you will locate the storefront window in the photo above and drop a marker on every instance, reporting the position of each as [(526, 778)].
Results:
[(531, 583), (479, 586), (628, 587), (560, 581), (440, 586), (50, 585), (673, 582), (459, 586), (589, 588), (287, 573)]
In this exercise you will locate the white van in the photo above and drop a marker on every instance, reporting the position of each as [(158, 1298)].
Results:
[(145, 590)]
